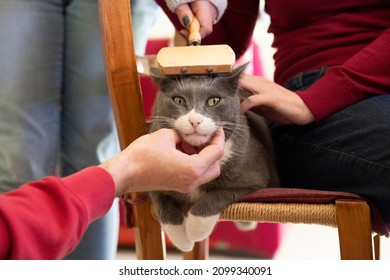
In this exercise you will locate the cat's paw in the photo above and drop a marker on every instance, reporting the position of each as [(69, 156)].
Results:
[(199, 228), (246, 226), (178, 236)]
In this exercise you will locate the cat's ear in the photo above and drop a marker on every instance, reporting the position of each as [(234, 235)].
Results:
[(230, 81), (236, 72), (156, 75)]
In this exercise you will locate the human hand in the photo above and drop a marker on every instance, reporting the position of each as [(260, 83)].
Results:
[(205, 12), (274, 102), (157, 162)]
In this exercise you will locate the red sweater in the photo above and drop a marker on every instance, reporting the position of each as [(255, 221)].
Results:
[(350, 36), (46, 219)]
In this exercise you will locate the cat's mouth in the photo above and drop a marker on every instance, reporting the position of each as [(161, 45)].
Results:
[(196, 139)]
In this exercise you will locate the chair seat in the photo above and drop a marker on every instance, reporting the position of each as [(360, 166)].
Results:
[(284, 205), (296, 213), (291, 204)]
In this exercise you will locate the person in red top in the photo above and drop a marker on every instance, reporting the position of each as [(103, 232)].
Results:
[(329, 103), (46, 219)]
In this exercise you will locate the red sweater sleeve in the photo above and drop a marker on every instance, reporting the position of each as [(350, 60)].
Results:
[(365, 74), (46, 219)]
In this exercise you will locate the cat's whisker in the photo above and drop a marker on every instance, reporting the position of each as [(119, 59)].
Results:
[(164, 121), (231, 127)]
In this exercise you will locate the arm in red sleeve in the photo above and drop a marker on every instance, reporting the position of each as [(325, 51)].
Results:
[(363, 75), (46, 219)]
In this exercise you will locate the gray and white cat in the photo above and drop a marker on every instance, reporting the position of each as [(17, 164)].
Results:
[(196, 106)]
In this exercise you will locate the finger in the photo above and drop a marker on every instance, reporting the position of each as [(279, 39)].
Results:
[(212, 172), (205, 30), (170, 134), (219, 137), (213, 152), (184, 14), (247, 104), (206, 13), (184, 33), (208, 160), (246, 82), (206, 26)]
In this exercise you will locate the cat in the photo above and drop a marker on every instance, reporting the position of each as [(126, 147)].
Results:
[(195, 106)]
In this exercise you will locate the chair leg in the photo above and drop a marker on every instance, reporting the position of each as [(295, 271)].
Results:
[(149, 237), (354, 227), (377, 247), (199, 252)]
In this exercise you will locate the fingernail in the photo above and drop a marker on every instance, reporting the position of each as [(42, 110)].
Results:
[(186, 20)]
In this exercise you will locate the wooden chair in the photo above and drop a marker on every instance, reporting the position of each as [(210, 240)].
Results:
[(349, 213)]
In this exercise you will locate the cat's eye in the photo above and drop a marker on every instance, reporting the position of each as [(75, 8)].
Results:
[(179, 100), (213, 101)]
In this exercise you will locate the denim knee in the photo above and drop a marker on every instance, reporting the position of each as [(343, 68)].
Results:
[(348, 151)]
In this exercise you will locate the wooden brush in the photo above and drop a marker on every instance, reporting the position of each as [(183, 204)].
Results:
[(196, 59)]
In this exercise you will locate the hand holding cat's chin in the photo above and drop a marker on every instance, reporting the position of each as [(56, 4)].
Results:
[(193, 147), (153, 161)]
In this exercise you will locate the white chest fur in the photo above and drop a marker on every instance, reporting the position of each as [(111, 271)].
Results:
[(228, 152)]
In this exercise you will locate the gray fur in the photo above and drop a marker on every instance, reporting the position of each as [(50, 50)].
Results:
[(251, 166)]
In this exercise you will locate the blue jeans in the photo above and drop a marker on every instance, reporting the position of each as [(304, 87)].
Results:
[(348, 151), (144, 14), (54, 108)]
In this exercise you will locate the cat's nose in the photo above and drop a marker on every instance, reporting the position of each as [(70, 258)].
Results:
[(195, 122)]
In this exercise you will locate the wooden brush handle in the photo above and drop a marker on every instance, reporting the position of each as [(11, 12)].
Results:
[(194, 37)]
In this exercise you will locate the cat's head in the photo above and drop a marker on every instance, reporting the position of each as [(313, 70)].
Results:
[(197, 105)]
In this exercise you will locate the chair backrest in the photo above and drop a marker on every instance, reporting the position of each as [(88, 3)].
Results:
[(121, 69), (126, 101)]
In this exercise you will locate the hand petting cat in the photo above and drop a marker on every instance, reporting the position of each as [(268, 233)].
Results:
[(144, 165), (274, 102)]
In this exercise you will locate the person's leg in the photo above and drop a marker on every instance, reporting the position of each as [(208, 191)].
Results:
[(348, 151), (144, 13), (31, 41), (86, 117)]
